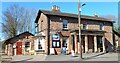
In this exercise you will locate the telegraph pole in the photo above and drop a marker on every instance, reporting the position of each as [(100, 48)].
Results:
[(79, 21)]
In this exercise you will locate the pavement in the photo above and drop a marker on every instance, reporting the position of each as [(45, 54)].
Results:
[(87, 57), (100, 57), (24, 58), (29, 58)]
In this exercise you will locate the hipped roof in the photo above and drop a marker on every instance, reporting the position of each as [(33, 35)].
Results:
[(63, 14)]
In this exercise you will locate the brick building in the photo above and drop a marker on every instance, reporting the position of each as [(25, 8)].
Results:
[(21, 44), (116, 39), (61, 31)]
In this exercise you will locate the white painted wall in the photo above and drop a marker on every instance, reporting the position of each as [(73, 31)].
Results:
[(42, 41), (35, 44)]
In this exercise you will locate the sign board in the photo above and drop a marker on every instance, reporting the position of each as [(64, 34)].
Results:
[(55, 41), (55, 37)]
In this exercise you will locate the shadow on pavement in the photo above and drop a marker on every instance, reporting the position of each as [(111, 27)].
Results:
[(27, 59), (94, 56)]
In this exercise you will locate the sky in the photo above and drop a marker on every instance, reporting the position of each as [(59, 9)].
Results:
[(100, 8), (60, 0)]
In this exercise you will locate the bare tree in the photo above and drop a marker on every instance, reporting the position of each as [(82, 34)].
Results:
[(113, 18), (116, 24), (16, 19)]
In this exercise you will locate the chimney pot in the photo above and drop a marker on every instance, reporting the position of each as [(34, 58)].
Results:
[(95, 14), (56, 8)]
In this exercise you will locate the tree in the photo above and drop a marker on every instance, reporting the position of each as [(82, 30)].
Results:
[(17, 19), (113, 18), (117, 29)]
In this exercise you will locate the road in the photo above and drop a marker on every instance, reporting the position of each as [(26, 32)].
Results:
[(87, 57)]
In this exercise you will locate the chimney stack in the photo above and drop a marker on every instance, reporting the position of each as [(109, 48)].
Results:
[(55, 8)]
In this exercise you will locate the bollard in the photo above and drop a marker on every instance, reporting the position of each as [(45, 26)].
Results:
[(72, 52)]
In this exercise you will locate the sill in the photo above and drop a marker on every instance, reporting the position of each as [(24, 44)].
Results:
[(40, 50), (55, 47), (65, 29)]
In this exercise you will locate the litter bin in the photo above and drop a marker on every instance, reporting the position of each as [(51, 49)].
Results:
[(64, 50)]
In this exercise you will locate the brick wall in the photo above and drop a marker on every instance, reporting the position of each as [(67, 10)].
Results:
[(43, 22), (56, 25), (109, 32), (23, 39)]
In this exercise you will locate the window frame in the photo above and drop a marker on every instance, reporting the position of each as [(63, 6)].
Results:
[(39, 46), (101, 28), (65, 44), (65, 25), (28, 47), (56, 44), (86, 26), (27, 44)]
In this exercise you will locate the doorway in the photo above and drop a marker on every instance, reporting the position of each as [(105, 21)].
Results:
[(73, 43), (91, 43), (19, 48)]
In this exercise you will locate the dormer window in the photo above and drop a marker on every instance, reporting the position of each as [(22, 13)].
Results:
[(65, 27), (101, 26)]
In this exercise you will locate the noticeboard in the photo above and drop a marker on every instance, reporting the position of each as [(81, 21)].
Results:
[(55, 37), (55, 41)]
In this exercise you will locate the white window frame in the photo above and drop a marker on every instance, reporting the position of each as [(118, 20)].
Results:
[(38, 44), (102, 26), (56, 44), (66, 24), (86, 26), (29, 46)]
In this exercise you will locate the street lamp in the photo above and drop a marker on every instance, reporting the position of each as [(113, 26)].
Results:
[(79, 21)]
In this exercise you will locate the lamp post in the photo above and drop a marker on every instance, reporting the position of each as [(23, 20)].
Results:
[(79, 21)]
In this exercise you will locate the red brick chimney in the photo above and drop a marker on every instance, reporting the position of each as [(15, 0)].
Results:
[(55, 8)]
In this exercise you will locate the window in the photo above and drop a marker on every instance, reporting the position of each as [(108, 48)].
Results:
[(64, 44), (100, 40), (36, 28), (101, 26), (65, 22), (84, 26), (27, 44), (39, 45), (56, 44)]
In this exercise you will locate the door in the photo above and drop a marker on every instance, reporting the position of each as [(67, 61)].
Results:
[(19, 48), (73, 43), (91, 43)]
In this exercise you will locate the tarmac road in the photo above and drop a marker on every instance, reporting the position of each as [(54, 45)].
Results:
[(112, 57)]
